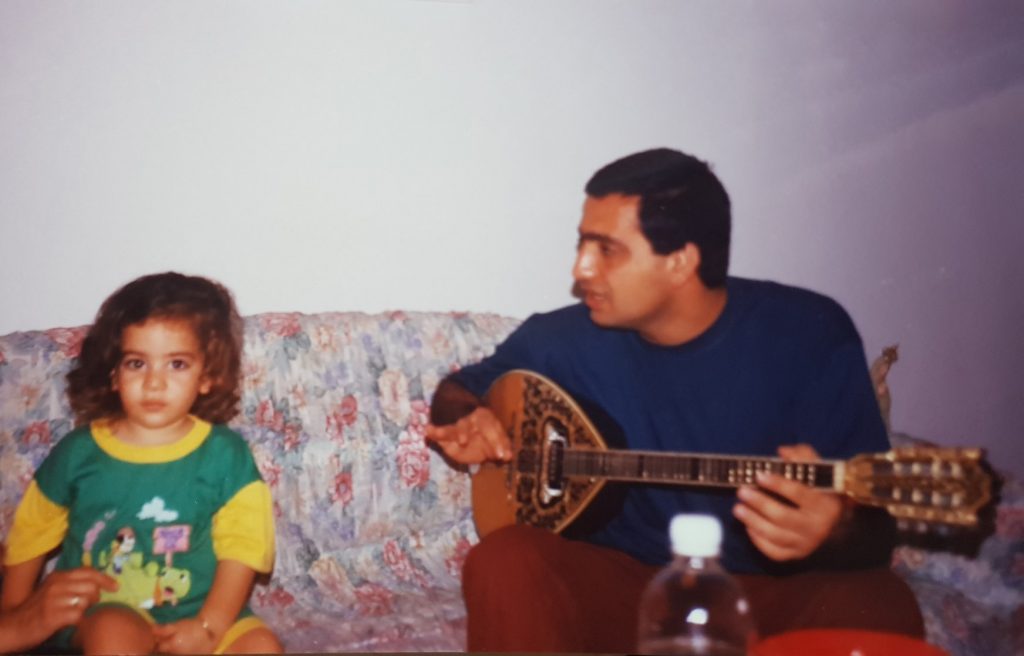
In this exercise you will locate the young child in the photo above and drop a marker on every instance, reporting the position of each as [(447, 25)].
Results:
[(150, 489)]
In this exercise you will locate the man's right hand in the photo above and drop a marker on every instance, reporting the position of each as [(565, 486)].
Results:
[(475, 438)]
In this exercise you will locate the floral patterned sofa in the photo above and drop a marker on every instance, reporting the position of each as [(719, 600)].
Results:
[(971, 586), (372, 526)]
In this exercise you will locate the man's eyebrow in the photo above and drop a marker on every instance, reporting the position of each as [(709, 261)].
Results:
[(598, 237)]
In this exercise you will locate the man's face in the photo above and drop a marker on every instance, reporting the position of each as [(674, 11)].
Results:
[(617, 274)]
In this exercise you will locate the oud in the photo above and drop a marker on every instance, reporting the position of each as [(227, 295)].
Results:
[(560, 462)]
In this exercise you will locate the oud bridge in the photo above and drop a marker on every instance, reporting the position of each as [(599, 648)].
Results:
[(543, 461)]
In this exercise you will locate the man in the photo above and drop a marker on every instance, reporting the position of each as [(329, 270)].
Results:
[(674, 355)]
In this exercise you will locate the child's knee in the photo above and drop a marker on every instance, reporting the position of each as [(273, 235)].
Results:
[(115, 630), (257, 641)]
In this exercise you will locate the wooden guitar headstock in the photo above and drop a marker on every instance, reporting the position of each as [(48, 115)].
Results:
[(922, 484)]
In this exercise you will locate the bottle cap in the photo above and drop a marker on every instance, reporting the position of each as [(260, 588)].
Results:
[(698, 536)]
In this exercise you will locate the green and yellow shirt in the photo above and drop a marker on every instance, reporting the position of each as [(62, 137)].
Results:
[(157, 519)]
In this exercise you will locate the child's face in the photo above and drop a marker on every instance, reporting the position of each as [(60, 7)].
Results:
[(159, 377)]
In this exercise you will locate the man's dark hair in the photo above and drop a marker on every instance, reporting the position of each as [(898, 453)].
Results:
[(681, 201)]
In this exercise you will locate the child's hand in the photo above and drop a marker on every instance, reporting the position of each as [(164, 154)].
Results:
[(184, 637)]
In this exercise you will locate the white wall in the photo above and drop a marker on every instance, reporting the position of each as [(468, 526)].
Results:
[(376, 154)]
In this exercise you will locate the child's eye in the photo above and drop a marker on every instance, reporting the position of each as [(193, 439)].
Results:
[(133, 363), (179, 365)]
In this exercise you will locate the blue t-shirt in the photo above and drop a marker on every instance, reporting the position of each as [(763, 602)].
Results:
[(780, 366)]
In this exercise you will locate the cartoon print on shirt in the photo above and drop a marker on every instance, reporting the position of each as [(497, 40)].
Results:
[(112, 561), (122, 547), (169, 540), (92, 535), (156, 510), (171, 586), (149, 586), (145, 583)]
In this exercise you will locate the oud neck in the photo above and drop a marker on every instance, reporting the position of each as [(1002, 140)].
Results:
[(696, 469)]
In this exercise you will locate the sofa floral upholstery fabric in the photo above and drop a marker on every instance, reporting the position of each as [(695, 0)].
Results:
[(372, 526), (971, 594)]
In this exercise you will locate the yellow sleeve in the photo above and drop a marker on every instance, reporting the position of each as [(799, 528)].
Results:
[(243, 529), (39, 526)]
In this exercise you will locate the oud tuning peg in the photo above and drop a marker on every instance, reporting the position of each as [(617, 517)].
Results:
[(905, 525)]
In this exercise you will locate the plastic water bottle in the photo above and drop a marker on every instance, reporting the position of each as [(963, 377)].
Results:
[(693, 606)]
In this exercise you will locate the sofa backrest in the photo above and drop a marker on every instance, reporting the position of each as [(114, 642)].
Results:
[(334, 406)]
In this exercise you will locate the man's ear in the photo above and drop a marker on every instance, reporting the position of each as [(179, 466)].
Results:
[(683, 262)]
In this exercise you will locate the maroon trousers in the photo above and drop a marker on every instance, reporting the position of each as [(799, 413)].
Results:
[(527, 589)]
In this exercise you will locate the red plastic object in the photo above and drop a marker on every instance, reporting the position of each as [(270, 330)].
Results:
[(844, 642)]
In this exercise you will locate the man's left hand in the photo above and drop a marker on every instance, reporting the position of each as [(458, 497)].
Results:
[(784, 532)]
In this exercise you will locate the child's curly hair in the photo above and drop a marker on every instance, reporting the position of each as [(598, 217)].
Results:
[(206, 305)]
